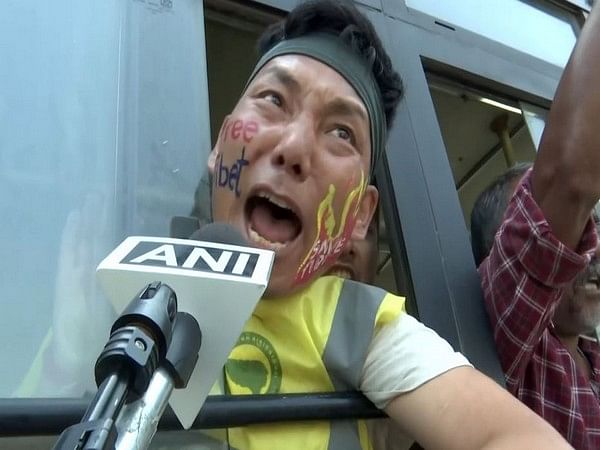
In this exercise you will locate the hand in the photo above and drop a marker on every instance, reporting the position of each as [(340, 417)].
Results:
[(82, 316)]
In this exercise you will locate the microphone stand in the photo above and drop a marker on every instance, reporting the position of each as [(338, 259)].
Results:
[(138, 420), (138, 344)]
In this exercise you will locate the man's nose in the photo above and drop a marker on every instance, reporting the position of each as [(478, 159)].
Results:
[(294, 152)]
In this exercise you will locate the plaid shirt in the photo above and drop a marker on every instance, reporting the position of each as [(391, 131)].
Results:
[(523, 279)]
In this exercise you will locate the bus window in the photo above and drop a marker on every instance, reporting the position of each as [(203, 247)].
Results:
[(484, 135), (103, 137)]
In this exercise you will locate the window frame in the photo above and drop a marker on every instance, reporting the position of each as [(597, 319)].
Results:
[(445, 282), (427, 235)]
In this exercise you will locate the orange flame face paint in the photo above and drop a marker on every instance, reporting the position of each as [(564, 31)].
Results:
[(332, 235)]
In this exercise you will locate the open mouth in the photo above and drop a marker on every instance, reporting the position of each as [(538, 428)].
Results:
[(592, 282), (272, 221), (341, 272)]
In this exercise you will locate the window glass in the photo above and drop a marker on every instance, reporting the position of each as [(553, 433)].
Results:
[(472, 122), (107, 135), (104, 134), (547, 34)]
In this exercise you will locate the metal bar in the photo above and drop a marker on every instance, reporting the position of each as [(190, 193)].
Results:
[(500, 126), (489, 155), (109, 398), (138, 421), (37, 417)]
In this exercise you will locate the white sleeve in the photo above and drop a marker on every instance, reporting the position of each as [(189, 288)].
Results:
[(402, 356)]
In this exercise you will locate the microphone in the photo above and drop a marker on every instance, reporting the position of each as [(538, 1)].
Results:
[(217, 278), (183, 227), (221, 233), (138, 349)]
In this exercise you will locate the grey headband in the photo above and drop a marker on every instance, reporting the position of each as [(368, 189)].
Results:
[(332, 51)]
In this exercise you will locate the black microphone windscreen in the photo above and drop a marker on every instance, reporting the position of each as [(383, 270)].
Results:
[(219, 232), (182, 227)]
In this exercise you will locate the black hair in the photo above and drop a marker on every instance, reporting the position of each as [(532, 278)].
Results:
[(488, 211), (342, 18)]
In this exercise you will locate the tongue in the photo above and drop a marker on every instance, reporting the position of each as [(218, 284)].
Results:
[(271, 228)]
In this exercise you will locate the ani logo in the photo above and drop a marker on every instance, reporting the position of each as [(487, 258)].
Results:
[(253, 366)]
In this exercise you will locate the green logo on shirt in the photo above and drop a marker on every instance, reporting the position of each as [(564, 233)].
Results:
[(254, 365)]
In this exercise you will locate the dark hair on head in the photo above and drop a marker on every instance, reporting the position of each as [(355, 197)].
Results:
[(488, 211), (342, 18)]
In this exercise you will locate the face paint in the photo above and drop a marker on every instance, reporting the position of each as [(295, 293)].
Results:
[(329, 244), (229, 176), (239, 129)]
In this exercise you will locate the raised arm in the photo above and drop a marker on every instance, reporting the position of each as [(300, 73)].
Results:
[(566, 174), (523, 278), (541, 244)]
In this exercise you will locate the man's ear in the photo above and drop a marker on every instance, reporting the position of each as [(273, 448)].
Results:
[(366, 209)]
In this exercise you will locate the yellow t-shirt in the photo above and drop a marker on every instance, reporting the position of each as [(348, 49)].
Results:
[(313, 341)]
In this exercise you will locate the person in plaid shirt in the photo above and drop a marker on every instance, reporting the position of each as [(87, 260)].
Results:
[(541, 279)]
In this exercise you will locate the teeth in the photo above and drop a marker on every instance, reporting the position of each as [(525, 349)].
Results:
[(275, 201), (264, 242), (341, 273)]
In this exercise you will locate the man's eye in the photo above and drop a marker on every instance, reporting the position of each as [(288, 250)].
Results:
[(273, 98), (343, 133)]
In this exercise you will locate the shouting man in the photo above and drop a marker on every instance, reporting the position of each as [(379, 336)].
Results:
[(291, 170)]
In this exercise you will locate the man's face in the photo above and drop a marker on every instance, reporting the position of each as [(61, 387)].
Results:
[(359, 259), (579, 310), (290, 168)]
